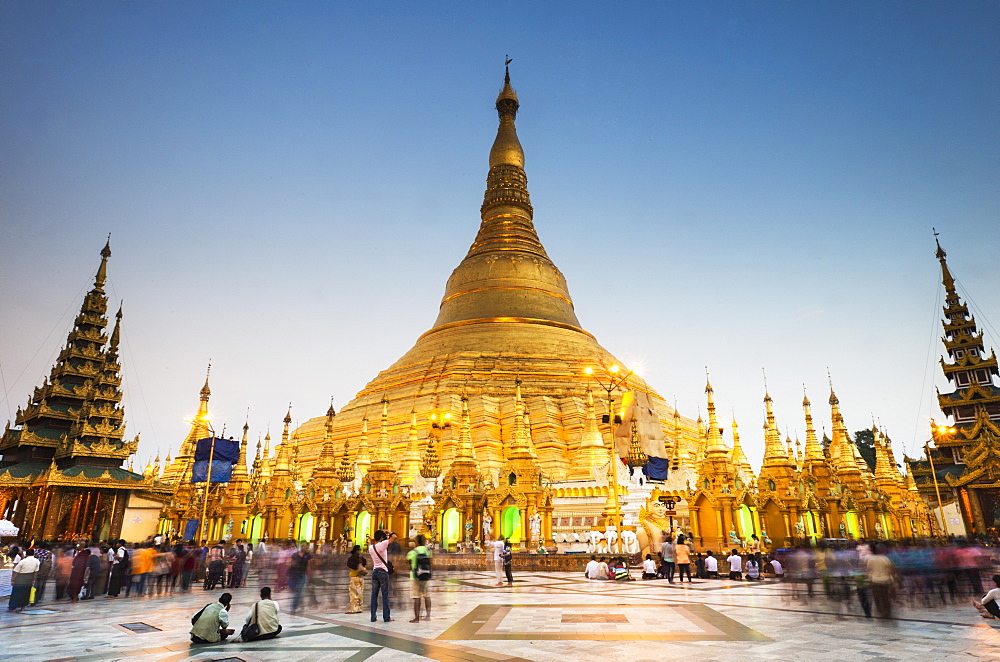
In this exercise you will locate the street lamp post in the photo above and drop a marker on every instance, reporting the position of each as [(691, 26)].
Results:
[(615, 380)]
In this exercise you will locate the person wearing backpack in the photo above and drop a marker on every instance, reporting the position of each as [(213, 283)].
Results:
[(420, 575)]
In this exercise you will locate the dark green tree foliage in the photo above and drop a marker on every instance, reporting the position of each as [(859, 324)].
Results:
[(865, 441)]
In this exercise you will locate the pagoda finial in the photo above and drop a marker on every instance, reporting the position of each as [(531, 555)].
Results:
[(205, 390), (715, 445), (507, 148), (102, 271), (116, 332), (946, 278)]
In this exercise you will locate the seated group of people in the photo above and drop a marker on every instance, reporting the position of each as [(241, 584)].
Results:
[(211, 624), (601, 569)]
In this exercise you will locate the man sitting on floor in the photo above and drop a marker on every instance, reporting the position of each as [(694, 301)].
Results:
[(264, 613), (210, 624)]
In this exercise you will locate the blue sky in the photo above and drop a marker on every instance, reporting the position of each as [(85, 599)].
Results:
[(289, 185)]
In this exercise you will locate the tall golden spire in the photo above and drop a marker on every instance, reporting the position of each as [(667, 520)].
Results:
[(679, 450), (739, 457), (714, 446), (464, 451), (240, 470), (364, 459), (410, 466), (774, 451), (383, 453), (265, 460), (592, 453), (814, 451), (327, 462), (842, 450), (519, 443), (506, 277)]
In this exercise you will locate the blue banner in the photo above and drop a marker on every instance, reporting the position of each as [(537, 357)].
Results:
[(225, 449), (656, 468), (222, 471), (191, 529)]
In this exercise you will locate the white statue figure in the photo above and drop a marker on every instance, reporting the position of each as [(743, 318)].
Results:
[(487, 527), (611, 535), (595, 539), (322, 531), (535, 524), (630, 542)]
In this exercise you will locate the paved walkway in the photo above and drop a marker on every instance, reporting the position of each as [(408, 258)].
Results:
[(550, 616)]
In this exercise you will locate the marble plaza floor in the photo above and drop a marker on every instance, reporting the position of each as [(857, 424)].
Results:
[(545, 616)]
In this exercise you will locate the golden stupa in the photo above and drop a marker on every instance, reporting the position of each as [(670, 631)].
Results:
[(506, 314)]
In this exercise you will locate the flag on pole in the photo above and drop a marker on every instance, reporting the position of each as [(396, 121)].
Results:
[(225, 454)]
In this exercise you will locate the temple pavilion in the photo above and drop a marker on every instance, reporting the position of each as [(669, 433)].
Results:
[(960, 475), (61, 473)]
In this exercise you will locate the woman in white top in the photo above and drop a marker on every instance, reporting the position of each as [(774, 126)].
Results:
[(753, 568)]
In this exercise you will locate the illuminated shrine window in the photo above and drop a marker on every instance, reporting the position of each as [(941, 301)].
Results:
[(770, 484)]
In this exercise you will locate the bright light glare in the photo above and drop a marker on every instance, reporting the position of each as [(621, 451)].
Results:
[(588, 370), (614, 368)]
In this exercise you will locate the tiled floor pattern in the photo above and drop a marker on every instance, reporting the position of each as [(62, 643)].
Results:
[(550, 616)]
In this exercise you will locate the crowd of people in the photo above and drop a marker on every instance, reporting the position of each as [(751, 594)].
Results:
[(878, 575), (309, 573), (871, 577)]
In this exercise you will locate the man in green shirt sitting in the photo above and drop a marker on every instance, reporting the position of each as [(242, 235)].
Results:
[(420, 576)]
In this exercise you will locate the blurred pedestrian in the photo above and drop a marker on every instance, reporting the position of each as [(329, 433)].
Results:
[(419, 559), (79, 572), (667, 551), (297, 570), (358, 569), (22, 577), (682, 554), (882, 577)]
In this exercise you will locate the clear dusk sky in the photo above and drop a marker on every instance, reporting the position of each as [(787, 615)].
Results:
[(289, 185)]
